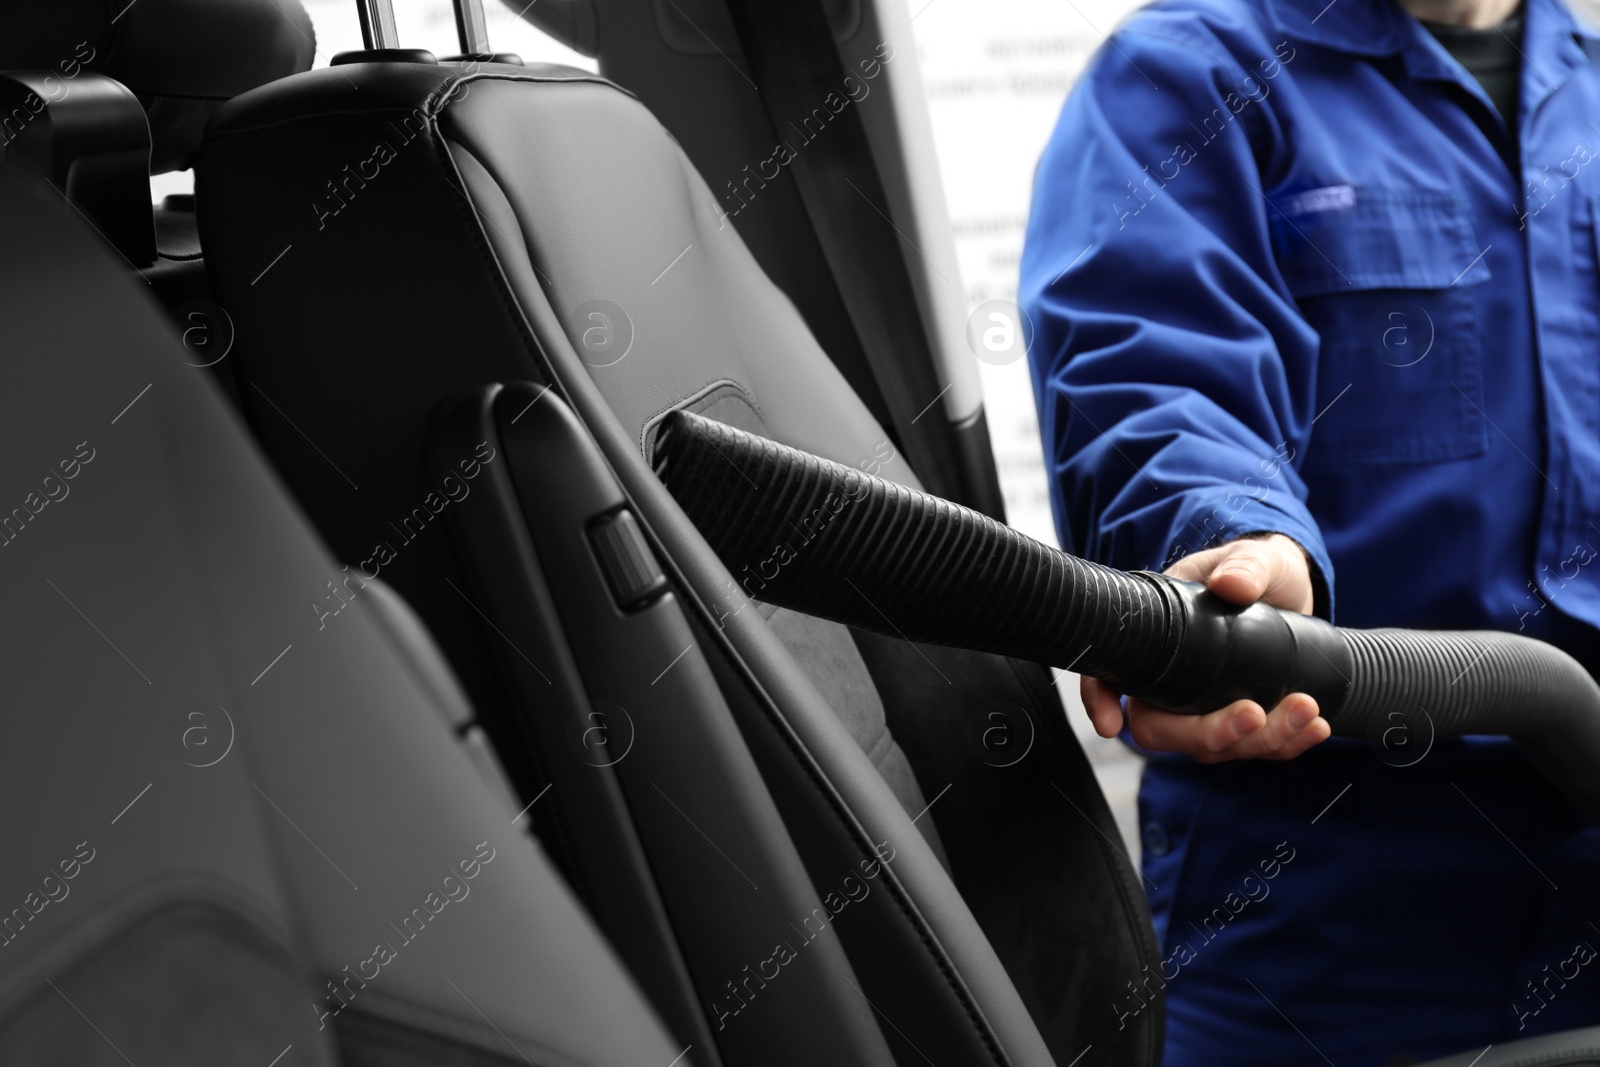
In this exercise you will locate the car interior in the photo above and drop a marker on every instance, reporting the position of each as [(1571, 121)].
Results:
[(371, 617)]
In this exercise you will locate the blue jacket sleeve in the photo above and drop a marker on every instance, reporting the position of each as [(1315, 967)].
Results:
[(1174, 374)]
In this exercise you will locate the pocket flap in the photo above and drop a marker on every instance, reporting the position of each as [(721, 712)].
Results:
[(1344, 237)]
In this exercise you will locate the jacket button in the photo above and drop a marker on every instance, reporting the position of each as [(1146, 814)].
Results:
[(1155, 839)]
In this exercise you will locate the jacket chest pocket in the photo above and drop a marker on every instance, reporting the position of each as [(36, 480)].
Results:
[(1386, 279)]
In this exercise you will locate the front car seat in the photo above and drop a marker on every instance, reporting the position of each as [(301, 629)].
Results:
[(387, 234), (234, 838)]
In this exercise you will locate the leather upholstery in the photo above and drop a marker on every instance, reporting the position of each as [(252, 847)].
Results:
[(181, 58), (180, 897), (509, 206)]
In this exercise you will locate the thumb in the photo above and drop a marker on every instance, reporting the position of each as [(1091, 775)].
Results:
[(1241, 578)]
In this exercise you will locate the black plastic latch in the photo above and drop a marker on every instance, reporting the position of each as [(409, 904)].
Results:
[(625, 557)]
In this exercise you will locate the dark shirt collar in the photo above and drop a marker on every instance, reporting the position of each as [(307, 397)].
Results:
[(1382, 27)]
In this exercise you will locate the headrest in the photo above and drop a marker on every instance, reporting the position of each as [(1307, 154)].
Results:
[(181, 58)]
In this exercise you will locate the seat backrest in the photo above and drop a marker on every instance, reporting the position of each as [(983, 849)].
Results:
[(388, 234), (234, 836)]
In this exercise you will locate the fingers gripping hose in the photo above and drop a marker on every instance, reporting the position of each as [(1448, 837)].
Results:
[(828, 540)]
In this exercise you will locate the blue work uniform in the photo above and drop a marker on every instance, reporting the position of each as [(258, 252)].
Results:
[(1288, 271)]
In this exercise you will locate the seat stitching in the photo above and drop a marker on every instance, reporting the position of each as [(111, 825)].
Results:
[(841, 812), (432, 105)]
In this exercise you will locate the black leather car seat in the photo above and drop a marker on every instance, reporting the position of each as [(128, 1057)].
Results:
[(389, 234), (233, 838)]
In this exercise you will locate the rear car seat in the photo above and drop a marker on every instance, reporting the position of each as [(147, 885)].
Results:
[(233, 838), (387, 235), (225, 48), (100, 96)]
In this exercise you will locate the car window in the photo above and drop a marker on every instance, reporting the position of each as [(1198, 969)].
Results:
[(996, 74)]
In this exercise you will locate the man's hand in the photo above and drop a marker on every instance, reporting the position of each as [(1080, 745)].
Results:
[(1272, 568)]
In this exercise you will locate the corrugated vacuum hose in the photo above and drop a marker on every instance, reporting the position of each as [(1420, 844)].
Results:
[(828, 540)]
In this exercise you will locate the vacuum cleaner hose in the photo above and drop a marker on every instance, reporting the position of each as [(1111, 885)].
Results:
[(828, 540)]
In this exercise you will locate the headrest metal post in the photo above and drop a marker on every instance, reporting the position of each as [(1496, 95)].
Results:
[(472, 27), (377, 25)]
